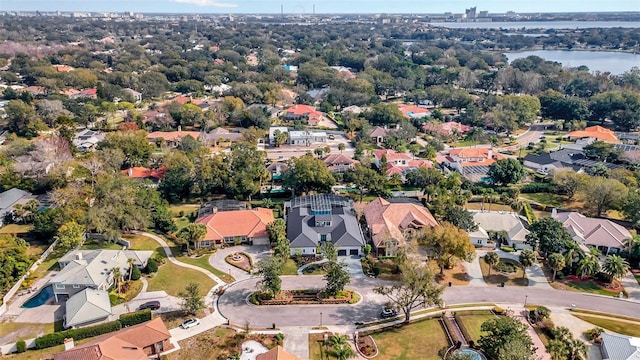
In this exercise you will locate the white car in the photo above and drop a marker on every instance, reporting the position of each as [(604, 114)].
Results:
[(189, 323)]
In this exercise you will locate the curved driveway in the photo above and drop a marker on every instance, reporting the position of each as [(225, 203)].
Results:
[(233, 304)]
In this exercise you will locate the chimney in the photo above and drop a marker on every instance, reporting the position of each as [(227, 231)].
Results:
[(68, 344), (179, 128), (130, 172), (78, 257), (214, 210), (490, 153), (397, 126), (554, 213)]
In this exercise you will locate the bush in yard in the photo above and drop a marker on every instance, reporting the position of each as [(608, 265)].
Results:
[(57, 338), (21, 346), (136, 317), (498, 310), (136, 273), (152, 266), (594, 334)]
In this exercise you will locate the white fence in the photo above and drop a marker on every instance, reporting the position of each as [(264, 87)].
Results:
[(14, 289)]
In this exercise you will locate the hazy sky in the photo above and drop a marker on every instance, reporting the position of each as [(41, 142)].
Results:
[(322, 6)]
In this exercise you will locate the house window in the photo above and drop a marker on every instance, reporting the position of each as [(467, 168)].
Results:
[(76, 286), (205, 243), (159, 347), (479, 242), (59, 286), (323, 237), (304, 251)]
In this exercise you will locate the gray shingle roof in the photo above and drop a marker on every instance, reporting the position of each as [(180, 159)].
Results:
[(620, 347), (87, 306), (11, 196), (92, 267), (301, 220)]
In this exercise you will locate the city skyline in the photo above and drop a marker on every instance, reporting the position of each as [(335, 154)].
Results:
[(325, 6)]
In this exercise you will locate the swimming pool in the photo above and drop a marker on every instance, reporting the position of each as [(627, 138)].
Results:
[(474, 354), (41, 298)]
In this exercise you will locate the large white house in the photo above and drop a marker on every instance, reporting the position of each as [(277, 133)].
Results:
[(507, 226)]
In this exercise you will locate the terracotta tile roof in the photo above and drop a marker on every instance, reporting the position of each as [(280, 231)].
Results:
[(388, 220), (277, 353), (89, 92), (125, 344), (249, 223), (70, 92), (140, 172), (597, 132), (391, 155), (446, 128), (335, 159), (307, 110), (411, 110), (172, 135), (62, 68)]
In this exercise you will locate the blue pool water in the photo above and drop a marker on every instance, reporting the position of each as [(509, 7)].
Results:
[(45, 294), (475, 355)]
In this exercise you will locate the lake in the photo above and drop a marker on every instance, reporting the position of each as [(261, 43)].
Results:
[(613, 62), (539, 24)]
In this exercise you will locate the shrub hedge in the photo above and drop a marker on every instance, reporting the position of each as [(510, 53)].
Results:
[(57, 338), (134, 318), (528, 212), (463, 329), (21, 346), (537, 187)]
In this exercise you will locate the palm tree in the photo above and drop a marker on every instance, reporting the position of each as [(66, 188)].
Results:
[(556, 262), (130, 262), (558, 349), (615, 266), (527, 258), (572, 255), (192, 233), (588, 266), (492, 259), (340, 348), (341, 147), (577, 350), (117, 275)]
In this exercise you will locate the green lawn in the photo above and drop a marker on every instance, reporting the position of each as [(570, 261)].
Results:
[(473, 322), (420, 341), (554, 200), (487, 206), (15, 229), (141, 242), (508, 279), (317, 350), (173, 279), (13, 331), (289, 268), (589, 287), (619, 326), (97, 244), (203, 262)]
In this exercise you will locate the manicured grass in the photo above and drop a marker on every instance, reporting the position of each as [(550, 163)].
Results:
[(421, 340), (487, 206), (16, 229), (317, 350), (600, 313), (44, 353), (203, 262), (637, 276), (187, 210), (127, 292), (103, 245), (554, 200), (13, 331), (498, 278), (470, 305), (51, 262), (473, 323), (173, 279), (619, 326), (289, 268), (314, 269), (140, 242), (217, 343), (588, 285)]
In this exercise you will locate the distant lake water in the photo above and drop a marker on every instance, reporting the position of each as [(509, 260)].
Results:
[(539, 24), (613, 62)]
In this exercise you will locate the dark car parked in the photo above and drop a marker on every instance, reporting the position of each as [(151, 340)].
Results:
[(153, 305), (388, 313)]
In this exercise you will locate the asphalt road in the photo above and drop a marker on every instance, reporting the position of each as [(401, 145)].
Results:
[(234, 306)]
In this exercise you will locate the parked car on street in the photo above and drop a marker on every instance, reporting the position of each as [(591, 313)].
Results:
[(388, 313), (153, 305), (189, 323)]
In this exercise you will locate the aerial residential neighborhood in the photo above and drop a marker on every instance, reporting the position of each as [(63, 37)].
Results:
[(260, 181)]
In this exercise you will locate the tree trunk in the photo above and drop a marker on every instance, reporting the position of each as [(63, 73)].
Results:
[(441, 269), (490, 266), (407, 315), (554, 275)]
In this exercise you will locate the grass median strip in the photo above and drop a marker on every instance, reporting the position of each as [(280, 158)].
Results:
[(619, 326)]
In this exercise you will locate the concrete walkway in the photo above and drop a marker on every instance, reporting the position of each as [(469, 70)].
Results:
[(296, 340), (631, 286), (301, 268), (541, 353)]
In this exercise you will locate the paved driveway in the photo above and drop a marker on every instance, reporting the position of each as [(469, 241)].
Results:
[(167, 303), (257, 252)]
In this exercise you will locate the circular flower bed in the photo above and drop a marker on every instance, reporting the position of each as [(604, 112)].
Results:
[(297, 297), (240, 260), (508, 266), (367, 346)]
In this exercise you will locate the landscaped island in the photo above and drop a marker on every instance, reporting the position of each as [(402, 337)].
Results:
[(298, 297)]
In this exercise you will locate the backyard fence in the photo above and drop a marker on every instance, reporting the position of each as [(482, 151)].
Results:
[(14, 289)]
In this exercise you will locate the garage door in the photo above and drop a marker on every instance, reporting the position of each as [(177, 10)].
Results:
[(353, 252), (342, 252), (261, 241)]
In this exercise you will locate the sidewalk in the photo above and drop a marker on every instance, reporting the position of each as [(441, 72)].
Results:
[(631, 286)]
